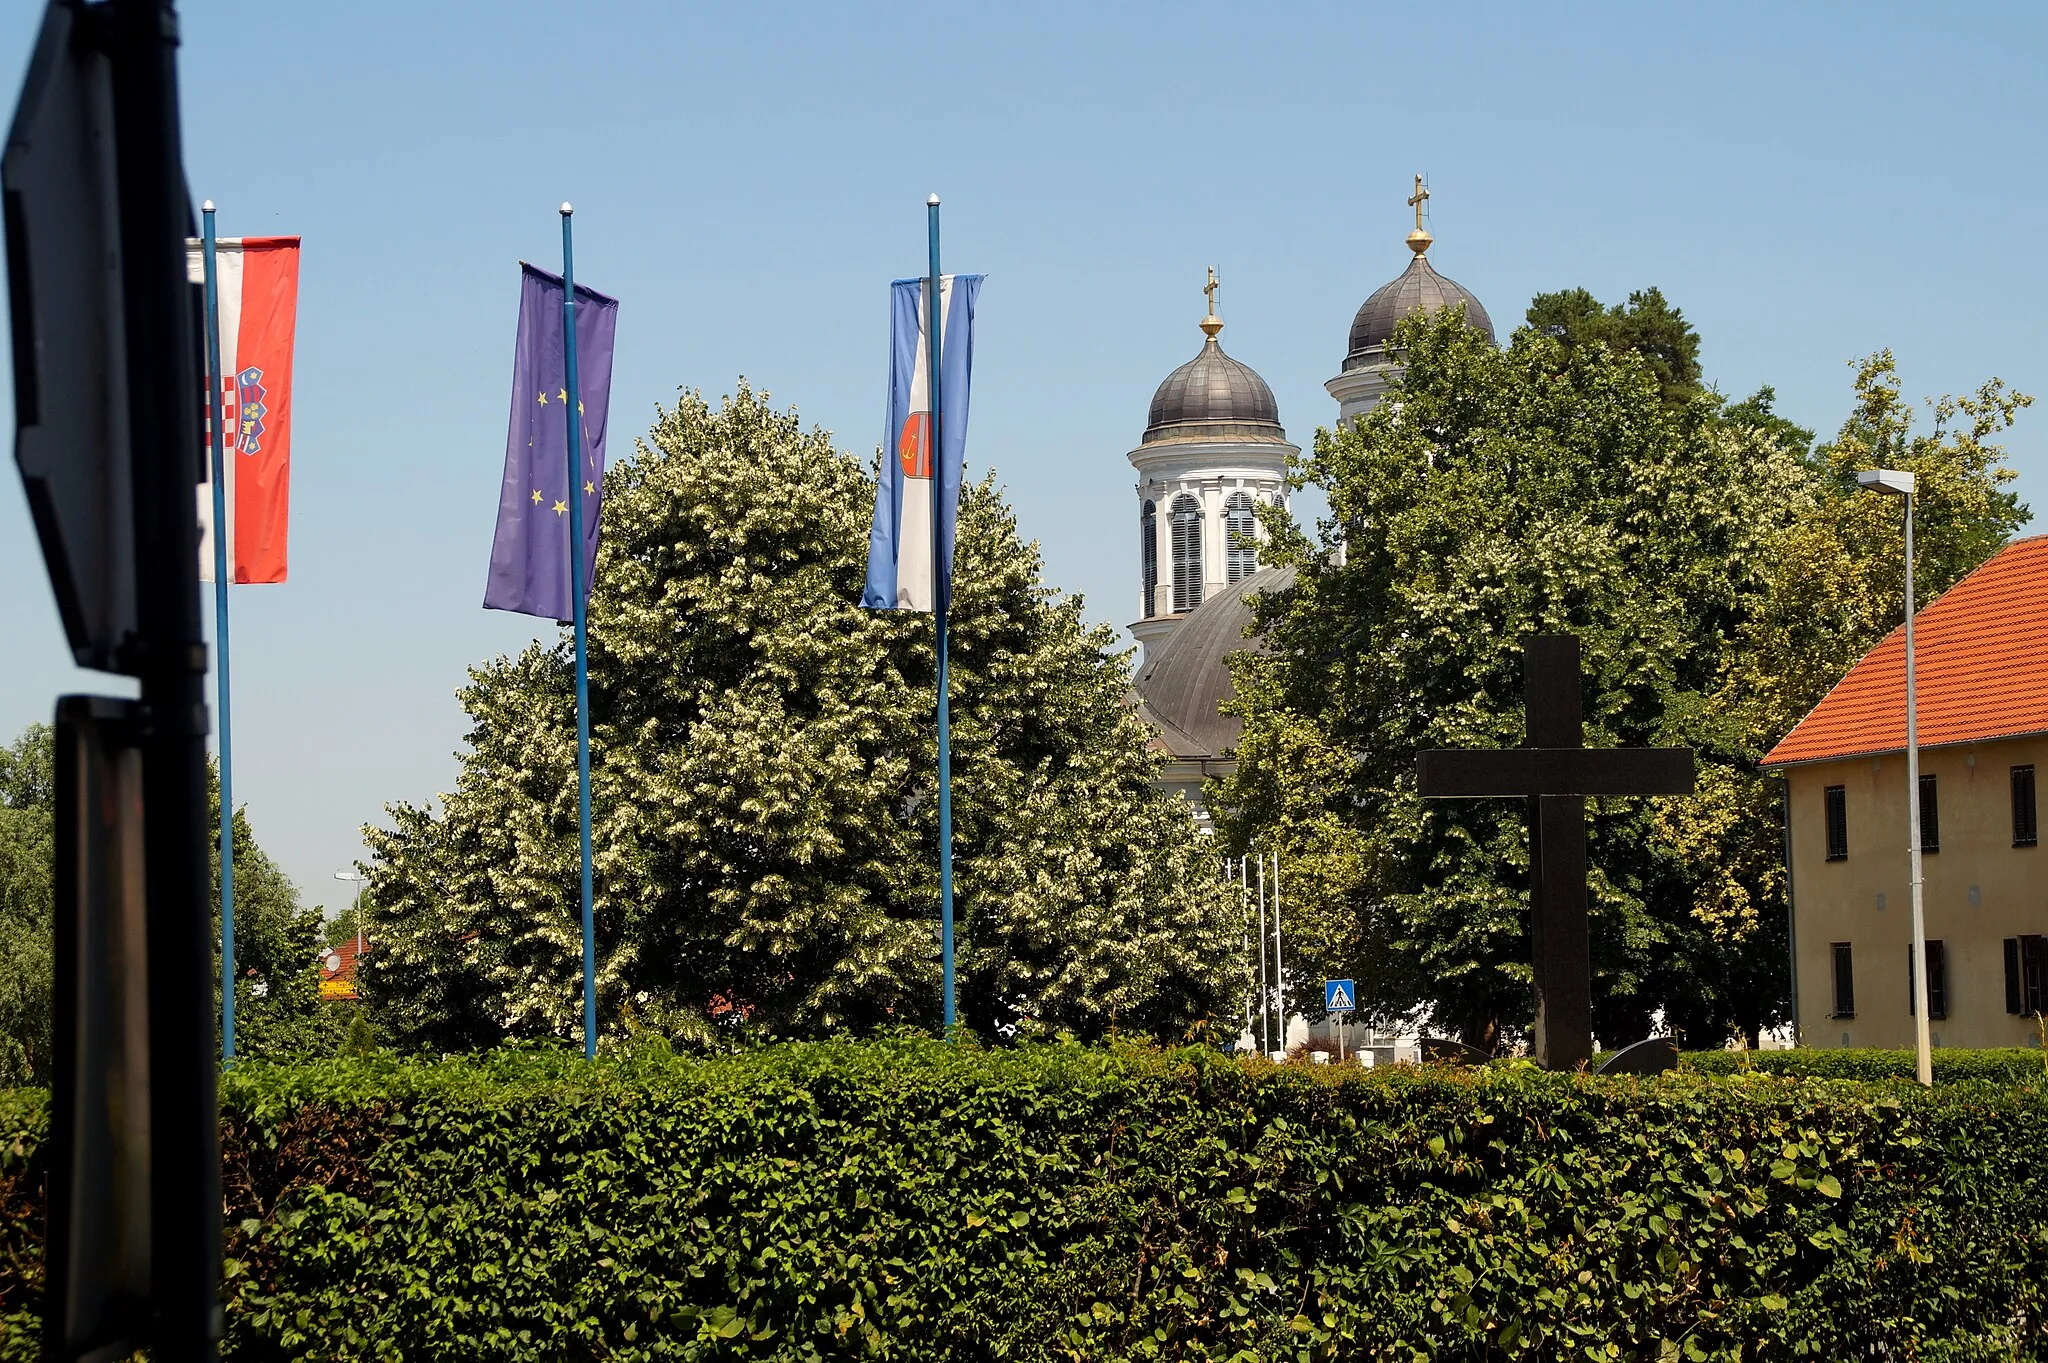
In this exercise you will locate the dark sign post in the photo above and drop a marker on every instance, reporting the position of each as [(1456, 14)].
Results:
[(1555, 773), (107, 437)]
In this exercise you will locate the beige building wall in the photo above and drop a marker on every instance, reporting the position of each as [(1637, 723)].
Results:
[(1979, 890)]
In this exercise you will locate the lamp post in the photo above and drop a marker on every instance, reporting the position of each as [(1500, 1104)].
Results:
[(358, 879), (1893, 482)]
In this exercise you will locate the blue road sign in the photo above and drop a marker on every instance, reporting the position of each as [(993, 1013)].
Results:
[(1339, 996)]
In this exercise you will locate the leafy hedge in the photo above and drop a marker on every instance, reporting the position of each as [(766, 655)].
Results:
[(2009, 1066), (908, 1200)]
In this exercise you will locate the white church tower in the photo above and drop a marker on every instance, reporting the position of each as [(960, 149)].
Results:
[(1368, 369), (1212, 452)]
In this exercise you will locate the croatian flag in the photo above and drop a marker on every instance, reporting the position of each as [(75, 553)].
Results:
[(901, 555), (258, 293)]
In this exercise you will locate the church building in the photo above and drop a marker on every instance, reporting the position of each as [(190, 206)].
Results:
[(1213, 452)]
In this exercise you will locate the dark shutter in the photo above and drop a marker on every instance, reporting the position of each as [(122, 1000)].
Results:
[(2033, 975), (2025, 831), (2012, 974), (1837, 799), (1930, 816), (1148, 556), (1845, 982), (1937, 981), (1241, 544), (1187, 553)]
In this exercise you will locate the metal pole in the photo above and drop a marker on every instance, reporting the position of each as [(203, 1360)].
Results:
[(169, 658), (1265, 989), (217, 438), (1922, 1048), (1244, 902), (941, 607), (1278, 973), (577, 476)]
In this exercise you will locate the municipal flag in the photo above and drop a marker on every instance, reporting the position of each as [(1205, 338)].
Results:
[(530, 551), (900, 546), (258, 296)]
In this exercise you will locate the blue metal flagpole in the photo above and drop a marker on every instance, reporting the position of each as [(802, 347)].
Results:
[(575, 417), (940, 606), (214, 418)]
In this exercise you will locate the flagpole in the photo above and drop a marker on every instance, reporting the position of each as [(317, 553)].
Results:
[(217, 436), (1279, 975), (574, 404), (1265, 993), (941, 604)]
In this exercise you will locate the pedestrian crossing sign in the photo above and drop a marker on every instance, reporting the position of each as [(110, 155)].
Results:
[(1339, 996)]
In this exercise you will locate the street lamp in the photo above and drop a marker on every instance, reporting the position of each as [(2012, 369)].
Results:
[(1893, 482), (358, 878)]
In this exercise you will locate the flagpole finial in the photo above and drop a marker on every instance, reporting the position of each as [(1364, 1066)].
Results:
[(566, 209), (206, 207), (931, 201)]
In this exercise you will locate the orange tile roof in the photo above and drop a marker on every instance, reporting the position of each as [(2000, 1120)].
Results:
[(1981, 655)]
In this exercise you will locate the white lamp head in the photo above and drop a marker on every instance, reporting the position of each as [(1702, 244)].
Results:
[(1894, 481)]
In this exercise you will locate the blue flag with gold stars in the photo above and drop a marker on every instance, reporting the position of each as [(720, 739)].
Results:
[(530, 552)]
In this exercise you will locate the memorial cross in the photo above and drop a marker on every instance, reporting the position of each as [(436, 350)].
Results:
[(1555, 772)]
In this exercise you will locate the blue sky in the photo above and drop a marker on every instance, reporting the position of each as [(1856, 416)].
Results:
[(1807, 182)]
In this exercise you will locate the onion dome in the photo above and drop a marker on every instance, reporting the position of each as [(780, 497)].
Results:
[(1419, 288), (1213, 397)]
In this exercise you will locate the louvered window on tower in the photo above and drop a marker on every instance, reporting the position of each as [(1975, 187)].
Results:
[(1148, 555), (1836, 799), (1242, 528), (1187, 553), (2026, 975), (1930, 816)]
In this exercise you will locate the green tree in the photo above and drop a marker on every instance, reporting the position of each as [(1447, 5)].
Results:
[(1646, 325), (277, 1007), (1555, 485), (762, 782), (27, 866)]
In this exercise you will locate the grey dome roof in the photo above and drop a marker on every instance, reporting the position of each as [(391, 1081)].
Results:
[(1213, 397), (1418, 288), (1185, 679)]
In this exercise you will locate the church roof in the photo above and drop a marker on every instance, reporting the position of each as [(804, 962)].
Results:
[(1213, 397), (1980, 667), (1418, 288), (1185, 679)]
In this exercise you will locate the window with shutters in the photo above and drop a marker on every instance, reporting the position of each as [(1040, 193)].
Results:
[(1845, 981), (1148, 556), (2025, 832), (1242, 528), (1837, 799), (1930, 816), (1937, 981), (2026, 975), (1187, 553)]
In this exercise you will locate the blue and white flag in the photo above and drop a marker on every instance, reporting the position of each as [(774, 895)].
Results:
[(901, 551)]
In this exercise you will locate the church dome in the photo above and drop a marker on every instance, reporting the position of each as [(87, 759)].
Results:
[(1186, 678), (1213, 397), (1419, 288)]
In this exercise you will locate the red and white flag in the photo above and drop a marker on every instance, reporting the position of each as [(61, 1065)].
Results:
[(258, 292)]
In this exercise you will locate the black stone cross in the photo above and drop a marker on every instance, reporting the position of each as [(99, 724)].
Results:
[(1555, 773)]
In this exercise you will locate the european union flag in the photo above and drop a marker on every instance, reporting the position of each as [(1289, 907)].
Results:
[(530, 552)]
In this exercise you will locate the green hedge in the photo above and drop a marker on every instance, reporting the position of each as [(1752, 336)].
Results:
[(908, 1200), (2010, 1066)]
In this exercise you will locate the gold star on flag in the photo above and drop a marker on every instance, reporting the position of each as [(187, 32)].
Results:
[(562, 393), (560, 508), (536, 496), (579, 407), (588, 488), (543, 398)]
